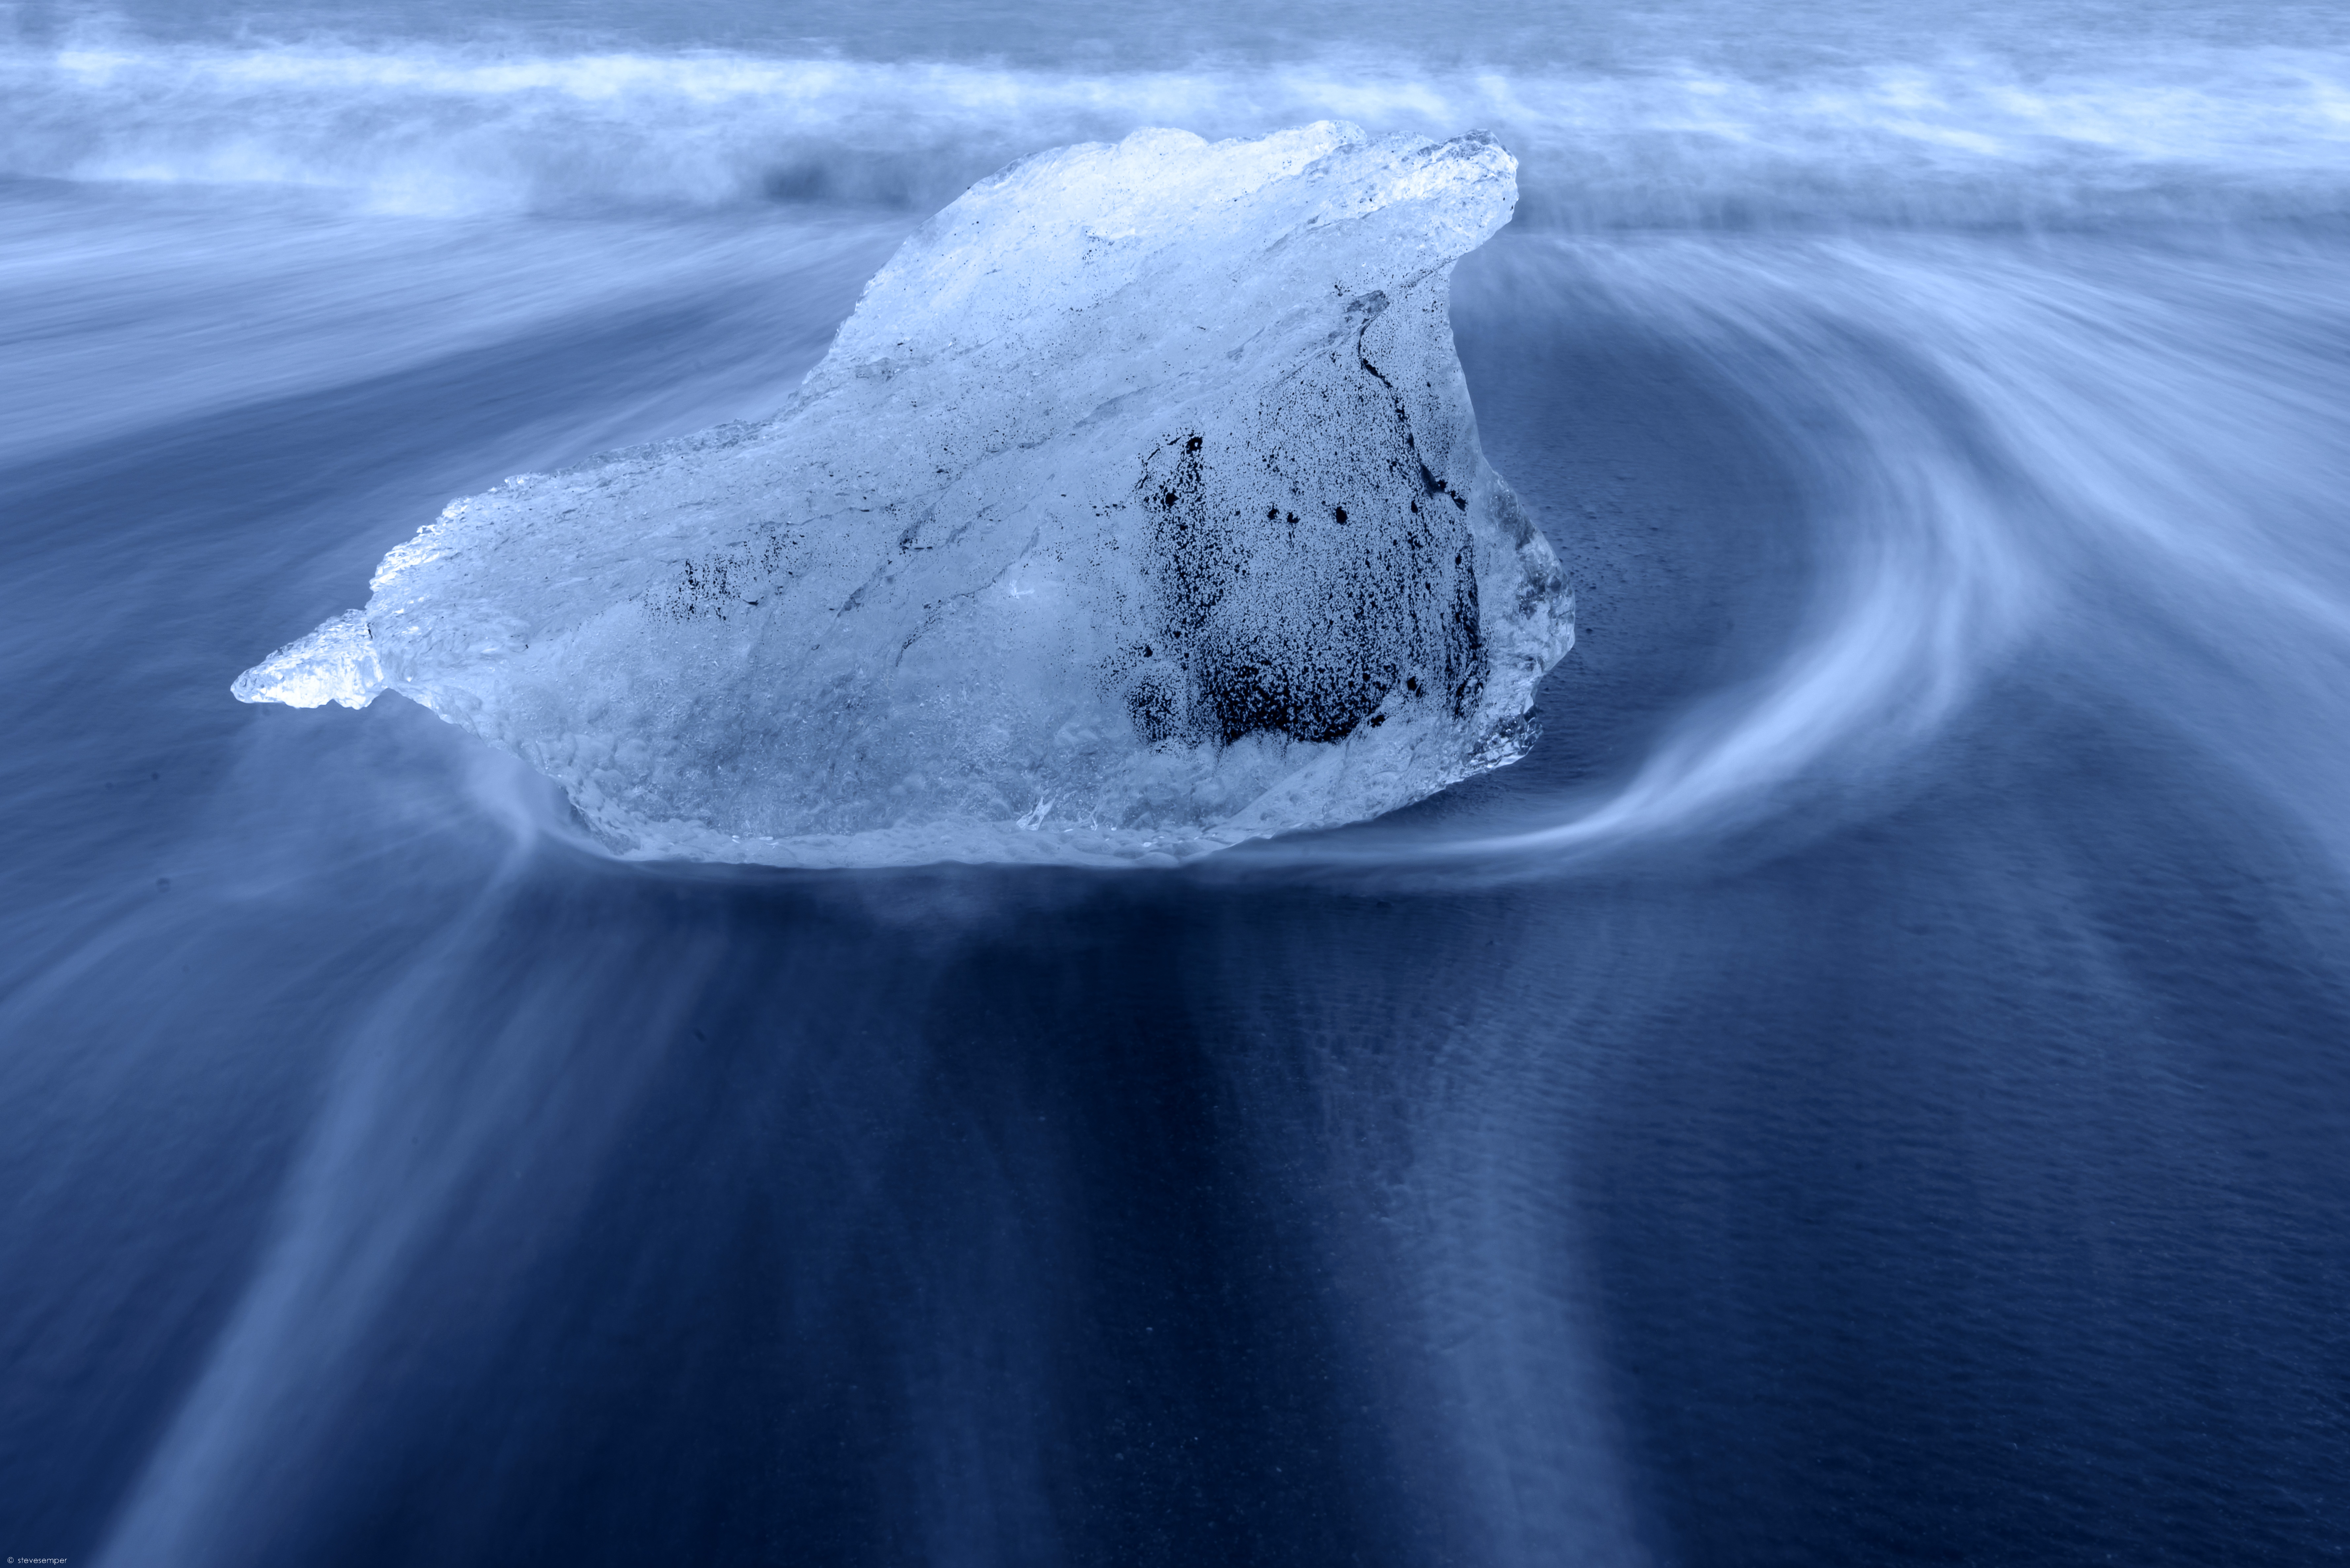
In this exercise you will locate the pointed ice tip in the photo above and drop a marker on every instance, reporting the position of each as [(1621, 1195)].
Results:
[(335, 663)]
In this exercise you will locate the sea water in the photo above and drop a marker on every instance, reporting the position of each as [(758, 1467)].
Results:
[(1869, 1085)]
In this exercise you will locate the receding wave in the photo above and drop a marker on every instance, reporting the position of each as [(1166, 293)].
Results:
[(2187, 130)]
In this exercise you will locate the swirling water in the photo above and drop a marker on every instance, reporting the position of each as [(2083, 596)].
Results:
[(1869, 1087)]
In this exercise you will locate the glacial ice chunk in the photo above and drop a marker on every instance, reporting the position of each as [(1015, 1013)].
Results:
[(1136, 510)]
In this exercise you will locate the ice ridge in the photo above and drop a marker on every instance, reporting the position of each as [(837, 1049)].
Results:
[(1138, 510)]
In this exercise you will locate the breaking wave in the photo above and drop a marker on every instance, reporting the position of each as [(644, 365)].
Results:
[(2198, 130)]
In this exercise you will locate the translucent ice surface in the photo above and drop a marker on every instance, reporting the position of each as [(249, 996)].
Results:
[(1138, 510)]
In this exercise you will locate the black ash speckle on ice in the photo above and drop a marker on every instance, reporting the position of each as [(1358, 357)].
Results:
[(1138, 510)]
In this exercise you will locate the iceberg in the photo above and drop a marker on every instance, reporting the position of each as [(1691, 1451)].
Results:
[(1137, 511)]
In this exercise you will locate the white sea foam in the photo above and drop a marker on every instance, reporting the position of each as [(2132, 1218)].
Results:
[(429, 128)]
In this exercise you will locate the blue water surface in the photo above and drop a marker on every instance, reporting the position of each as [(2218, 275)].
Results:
[(1873, 1086)]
